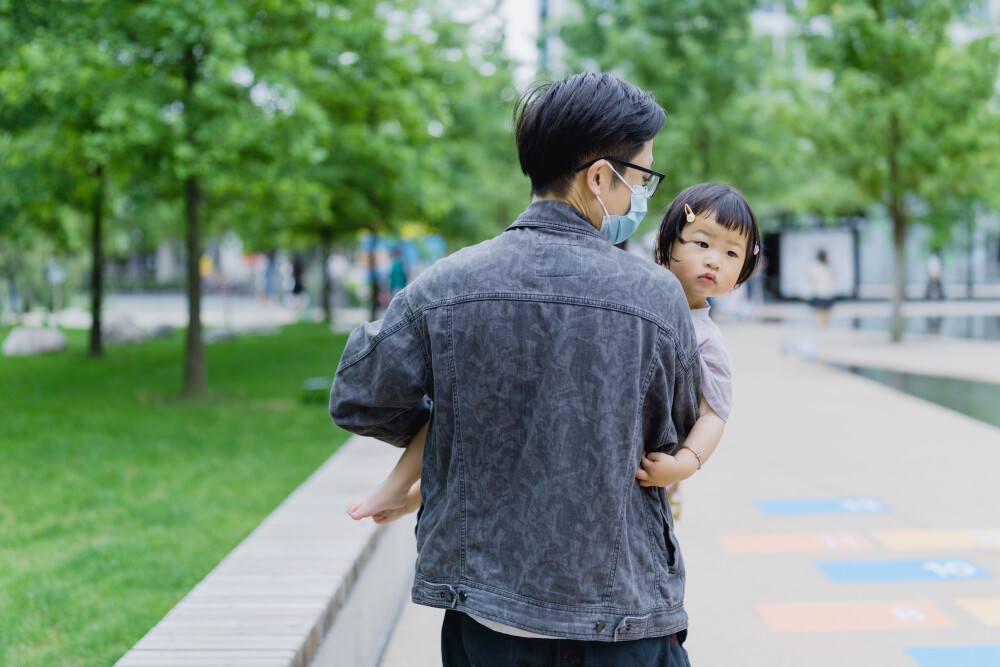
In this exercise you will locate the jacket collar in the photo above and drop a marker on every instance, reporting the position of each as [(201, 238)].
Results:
[(550, 214)]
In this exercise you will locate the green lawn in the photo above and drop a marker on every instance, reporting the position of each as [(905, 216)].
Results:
[(117, 496)]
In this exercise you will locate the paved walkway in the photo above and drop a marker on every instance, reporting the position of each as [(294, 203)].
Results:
[(230, 311), (882, 543)]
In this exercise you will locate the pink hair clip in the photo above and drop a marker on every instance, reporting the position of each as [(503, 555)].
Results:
[(690, 213), (756, 248)]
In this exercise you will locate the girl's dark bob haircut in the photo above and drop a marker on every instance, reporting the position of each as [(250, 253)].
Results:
[(559, 126), (731, 210)]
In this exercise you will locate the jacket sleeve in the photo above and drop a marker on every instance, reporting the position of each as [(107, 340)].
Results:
[(382, 384), (682, 390), (687, 394)]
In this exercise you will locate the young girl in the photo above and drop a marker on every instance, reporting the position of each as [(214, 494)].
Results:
[(709, 239)]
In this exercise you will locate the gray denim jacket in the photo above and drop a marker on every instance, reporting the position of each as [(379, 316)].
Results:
[(552, 361)]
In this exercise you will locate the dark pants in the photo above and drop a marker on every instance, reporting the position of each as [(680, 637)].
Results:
[(466, 643)]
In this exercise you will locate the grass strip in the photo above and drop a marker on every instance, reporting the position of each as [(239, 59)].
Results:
[(117, 495)]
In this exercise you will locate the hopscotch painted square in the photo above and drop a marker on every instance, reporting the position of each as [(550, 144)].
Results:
[(899, 540), (950, 656), (901, 570), (793, 543), (831, 616), (806, 506), (986, 610)]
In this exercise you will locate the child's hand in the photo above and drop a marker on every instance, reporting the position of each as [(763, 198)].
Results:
[(659, 469)]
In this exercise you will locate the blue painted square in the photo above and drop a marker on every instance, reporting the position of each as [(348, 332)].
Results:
[(858, 505), (950, 569), (950, 656)]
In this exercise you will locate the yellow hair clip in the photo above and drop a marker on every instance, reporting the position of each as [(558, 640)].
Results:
[(690, 213)]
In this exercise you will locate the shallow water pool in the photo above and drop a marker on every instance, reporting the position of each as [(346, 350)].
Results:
[(980, 400)]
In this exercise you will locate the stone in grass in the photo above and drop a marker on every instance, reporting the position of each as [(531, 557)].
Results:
[(211, 336), (261, 330), (229, 333), (316, 390), (122, 331), (161, 331), (27, 341)]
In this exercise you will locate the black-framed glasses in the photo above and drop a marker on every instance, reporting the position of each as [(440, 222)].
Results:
[(649, 184)]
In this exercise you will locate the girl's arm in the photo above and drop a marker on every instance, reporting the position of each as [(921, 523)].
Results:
[(394, 493), (658, 469)]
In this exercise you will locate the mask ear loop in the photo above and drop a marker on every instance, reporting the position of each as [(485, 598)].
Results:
[(689, 212)]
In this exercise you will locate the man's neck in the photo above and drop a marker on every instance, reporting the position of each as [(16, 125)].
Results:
[(571, 198)]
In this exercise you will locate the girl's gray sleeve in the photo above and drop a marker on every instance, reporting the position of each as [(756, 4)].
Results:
[(717, 375)]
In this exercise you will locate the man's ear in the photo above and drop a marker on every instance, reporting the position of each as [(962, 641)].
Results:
[(595, 177)]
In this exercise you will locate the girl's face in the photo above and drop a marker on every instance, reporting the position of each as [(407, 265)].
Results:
[(709, 260)]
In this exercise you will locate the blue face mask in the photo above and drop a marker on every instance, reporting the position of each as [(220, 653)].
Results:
[(617, 228)]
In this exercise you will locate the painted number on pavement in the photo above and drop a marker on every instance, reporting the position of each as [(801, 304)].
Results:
[(908, 614), (956, 569)]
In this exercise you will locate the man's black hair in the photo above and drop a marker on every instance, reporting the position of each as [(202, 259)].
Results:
[(561, 125)]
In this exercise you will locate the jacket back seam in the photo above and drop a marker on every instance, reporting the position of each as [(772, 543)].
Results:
[(412, 315), (567, 300), (457, 427)]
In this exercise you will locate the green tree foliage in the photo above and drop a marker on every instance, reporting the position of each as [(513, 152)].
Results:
[(410, 108), (278, 120), (907, 116), (55, 82), (712, 74)]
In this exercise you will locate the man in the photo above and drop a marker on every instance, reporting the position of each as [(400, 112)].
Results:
[(546, 362)]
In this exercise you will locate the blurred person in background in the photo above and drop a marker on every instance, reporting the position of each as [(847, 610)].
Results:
[(397, 274), (299, 296), (820, 276), (935, 270)]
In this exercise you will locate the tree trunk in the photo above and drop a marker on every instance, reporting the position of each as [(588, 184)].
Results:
[(899, 272), (326, 292), (970, 223), (97, 267), (898, 216), (194, 352)]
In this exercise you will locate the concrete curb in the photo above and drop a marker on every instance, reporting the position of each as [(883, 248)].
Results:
[(309, 586)]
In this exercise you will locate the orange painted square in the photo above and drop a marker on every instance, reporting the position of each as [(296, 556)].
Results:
[(987, 610), (820, 616), (794, 543), (983, 538)]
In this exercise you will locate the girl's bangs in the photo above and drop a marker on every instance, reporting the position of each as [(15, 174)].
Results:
[(733, 213)]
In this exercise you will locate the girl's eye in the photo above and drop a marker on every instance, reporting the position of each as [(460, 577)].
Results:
[(733, 253), (702, 244)]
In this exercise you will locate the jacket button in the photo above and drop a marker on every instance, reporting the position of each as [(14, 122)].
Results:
[(600, 626)]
